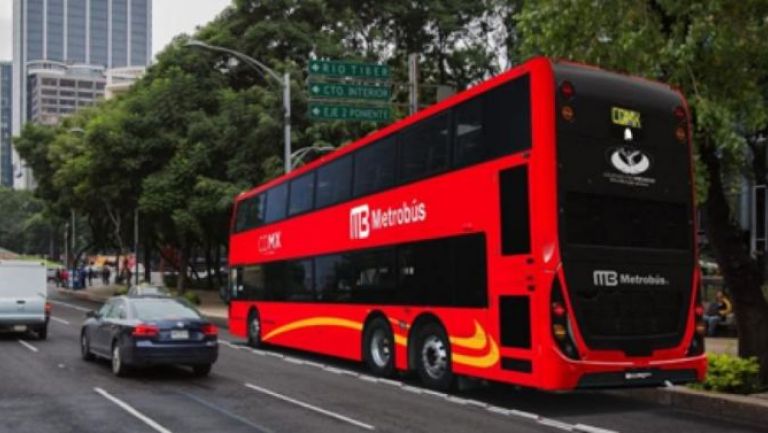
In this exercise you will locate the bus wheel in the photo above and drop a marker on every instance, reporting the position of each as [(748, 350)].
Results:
[(379, 348), (433, 357), (254, 329)]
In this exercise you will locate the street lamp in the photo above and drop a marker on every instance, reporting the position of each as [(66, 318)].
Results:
[(285, 82), (300, 154)]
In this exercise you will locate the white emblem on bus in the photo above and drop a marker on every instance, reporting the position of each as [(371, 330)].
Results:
[(605, 278), (270, 242), (359, 225), (630, 161)]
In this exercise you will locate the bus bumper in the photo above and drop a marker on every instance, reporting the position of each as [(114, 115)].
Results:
[(596, 374)]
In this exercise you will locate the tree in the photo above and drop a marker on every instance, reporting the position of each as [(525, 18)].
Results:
[(716, 52)]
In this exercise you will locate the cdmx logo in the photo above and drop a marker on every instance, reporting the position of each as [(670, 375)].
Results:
[(270, 242), (629, 160)]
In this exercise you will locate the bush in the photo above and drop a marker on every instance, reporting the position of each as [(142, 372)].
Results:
[(731, 374), (122, 290), (192, 297)]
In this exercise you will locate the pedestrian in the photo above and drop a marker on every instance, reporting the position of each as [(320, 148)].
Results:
[(717, 311), (91, 273), (81, 275), (105, 274), (65, 278)]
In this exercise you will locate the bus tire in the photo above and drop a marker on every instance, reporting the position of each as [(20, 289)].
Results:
[(379, 347), (433, 357), (254, 329)]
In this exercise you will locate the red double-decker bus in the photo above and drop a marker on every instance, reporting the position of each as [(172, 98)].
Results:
[(536, 229)]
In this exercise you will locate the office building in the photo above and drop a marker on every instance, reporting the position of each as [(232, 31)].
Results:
[(6, 166), (69, 40)]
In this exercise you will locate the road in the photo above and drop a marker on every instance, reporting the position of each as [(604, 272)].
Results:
[(46, 387)]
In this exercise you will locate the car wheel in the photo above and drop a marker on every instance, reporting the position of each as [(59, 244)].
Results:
[(119, 368), (85, 348), (379, 347), (201, 370), (254, 329), (433, 357)]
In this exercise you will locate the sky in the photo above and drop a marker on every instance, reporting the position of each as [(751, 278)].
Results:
[(170, 17)]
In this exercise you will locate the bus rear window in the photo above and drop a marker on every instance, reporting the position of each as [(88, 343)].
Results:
[(624, 222)]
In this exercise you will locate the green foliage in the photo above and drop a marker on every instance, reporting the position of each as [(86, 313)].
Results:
[(24, 224), (731, 374), (197, 129), (121, 291), (192, 297)]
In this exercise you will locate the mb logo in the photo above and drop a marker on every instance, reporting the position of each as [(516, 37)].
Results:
[(605, 278), (359, 222)]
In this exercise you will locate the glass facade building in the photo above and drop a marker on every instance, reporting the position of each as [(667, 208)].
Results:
[(6, 165), (61, 34)]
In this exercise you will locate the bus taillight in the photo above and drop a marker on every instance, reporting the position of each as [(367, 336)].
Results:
[(561, 329), (567, 90), (679, 113)]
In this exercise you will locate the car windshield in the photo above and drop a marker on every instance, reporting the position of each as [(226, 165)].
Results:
[(162, 309)]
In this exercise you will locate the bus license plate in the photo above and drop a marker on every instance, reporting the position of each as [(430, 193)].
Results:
[(20, 328), (179, 335)]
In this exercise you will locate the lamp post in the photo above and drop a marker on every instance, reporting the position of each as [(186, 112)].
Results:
[(299, 155), (285, 82)]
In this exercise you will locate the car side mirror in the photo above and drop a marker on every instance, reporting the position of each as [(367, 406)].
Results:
[(92, 314)]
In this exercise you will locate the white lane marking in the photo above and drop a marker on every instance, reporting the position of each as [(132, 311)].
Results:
[(28, 346), (128, 408), (447, 397), (62, 321), (590, 429), (311, 407), (67, 304)]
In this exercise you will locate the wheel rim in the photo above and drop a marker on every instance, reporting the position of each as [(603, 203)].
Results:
[(434, 357), (116, 362), (381, 348), (255, 328)]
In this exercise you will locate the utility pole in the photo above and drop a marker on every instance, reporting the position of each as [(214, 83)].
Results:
[(136, 244), (413, 83)]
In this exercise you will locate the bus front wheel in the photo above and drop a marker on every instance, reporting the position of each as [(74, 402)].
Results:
[(433, 357), (254, 329), (379, 347)]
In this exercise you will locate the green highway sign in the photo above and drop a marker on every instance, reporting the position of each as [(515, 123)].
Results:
[(348, 112), (350, 91), (332, 68)]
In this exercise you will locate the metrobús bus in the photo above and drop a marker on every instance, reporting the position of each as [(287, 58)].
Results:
[(536, 229)]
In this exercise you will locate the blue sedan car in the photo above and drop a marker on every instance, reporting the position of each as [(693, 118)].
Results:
[(146, 331)]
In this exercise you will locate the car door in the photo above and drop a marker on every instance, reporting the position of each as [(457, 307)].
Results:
[(99, 332)]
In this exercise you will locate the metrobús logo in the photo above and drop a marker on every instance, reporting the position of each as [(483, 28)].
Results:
[(629, 160), (363, 220), (610, 278)]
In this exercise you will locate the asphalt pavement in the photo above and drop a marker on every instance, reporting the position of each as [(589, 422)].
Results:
[(46, 387)]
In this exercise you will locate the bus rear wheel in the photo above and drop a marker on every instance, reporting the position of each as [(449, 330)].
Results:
[(254, 329), (433, 357), (379, 347)]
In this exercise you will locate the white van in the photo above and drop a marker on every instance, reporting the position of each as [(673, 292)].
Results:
[(23, 291)]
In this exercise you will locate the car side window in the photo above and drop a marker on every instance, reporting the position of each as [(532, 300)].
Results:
[(117, 311), (106, 308)]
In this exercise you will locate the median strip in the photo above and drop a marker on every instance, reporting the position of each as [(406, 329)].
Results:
[(128, 408), (311, 407)]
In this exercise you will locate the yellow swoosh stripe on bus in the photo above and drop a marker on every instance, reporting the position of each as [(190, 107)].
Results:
[(315, 321), (475, 342), (488, 360)]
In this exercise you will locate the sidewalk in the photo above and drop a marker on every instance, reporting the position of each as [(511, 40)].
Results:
[(210, 304)]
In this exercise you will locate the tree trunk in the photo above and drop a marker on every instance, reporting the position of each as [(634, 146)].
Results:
[(148, 262), (181, 282), (740, 271), (208, 266), (219, 277)]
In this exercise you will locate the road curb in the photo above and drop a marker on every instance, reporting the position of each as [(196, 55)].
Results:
[(737, 408), (82, 295)]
